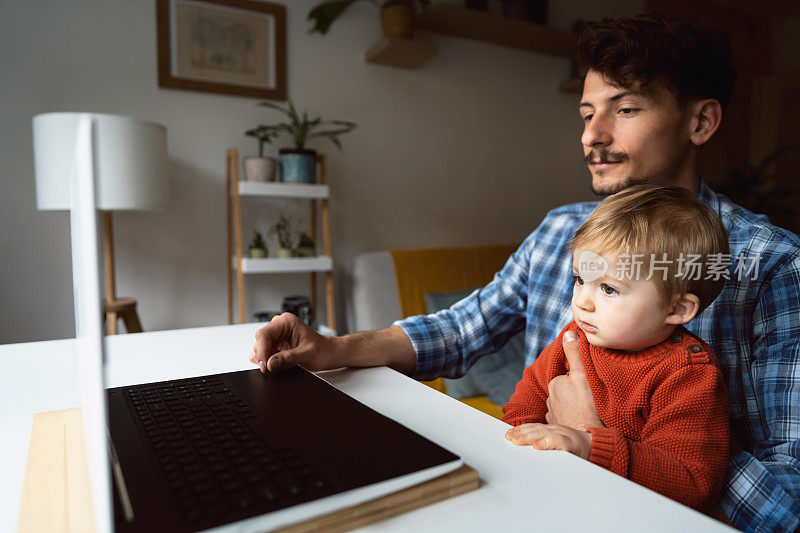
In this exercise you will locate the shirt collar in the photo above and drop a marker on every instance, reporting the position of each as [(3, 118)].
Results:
[(709, 197)]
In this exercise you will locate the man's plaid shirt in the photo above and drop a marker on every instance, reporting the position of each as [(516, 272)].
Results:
[(753, 326)]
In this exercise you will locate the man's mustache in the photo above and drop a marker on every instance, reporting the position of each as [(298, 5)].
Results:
[(604, 155)]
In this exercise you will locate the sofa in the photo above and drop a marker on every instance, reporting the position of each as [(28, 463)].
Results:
[(390, 285)]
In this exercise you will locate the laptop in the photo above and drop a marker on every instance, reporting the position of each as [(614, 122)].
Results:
[(238, 451)]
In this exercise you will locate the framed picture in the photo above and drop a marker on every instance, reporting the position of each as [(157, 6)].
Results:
[(222, 46)]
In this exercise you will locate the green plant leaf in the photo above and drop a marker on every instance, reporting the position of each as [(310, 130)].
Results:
[(770, 159), (293, 113), (325, 13), (301, 128), (343, 123), (331, 136)]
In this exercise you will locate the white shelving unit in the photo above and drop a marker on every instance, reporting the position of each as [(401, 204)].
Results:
[(241, 265), (299, 264), (283, 190)]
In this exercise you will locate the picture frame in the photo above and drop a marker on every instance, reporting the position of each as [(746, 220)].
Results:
[(235, 47)]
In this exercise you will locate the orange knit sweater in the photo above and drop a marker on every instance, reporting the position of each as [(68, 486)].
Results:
[(665, 409)]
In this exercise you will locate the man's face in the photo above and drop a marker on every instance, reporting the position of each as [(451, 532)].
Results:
[(632, 135)]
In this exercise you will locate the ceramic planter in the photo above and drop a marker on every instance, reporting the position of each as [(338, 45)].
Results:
[(298, 165), (304, 252), (285, 253), (259, 168), (257, 253), (397, 19)]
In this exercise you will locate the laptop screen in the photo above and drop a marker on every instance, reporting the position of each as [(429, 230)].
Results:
[(88, 320)]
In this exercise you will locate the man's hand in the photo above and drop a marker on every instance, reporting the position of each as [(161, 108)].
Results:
[(552, 437), (569, 400), (287, 341)]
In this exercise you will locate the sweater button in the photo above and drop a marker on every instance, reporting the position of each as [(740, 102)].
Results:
[(676, 338), (695, 348)]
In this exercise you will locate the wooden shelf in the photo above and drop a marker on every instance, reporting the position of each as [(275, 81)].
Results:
[(399, 52), (273, 189), (451, 19), (317, 196), (295, 264)]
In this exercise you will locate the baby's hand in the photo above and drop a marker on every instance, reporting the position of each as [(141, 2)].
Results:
[(552, 437)]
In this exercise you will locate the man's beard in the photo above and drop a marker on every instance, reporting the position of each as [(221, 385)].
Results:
[(617, 187), (604, 155)]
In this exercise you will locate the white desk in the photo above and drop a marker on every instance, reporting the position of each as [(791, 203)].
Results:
[(521, 489)]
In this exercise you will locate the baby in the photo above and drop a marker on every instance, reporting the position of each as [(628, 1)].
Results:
[(647, 261)]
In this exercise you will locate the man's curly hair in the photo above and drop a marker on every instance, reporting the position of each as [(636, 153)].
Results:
[(692, 59)]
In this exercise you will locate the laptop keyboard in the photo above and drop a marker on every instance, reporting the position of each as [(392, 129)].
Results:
[(216, 467)]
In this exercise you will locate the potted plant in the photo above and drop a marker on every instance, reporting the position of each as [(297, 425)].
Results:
[(258, 247), (260, 168), (305, 245), (767, 189), (283, 230), (397, 16), (298, 164)]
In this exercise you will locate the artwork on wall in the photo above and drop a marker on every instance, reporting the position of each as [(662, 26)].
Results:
[(222, 46)]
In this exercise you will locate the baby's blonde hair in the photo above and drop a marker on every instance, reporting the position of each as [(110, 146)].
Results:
[(667, 222)]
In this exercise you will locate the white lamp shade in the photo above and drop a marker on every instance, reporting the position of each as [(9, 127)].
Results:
[(130, 161)]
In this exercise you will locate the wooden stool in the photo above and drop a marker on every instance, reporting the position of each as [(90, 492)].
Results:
[(124, 308)]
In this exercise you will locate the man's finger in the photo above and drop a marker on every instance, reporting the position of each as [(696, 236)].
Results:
[(278, 329), (263, 347), (280, 361), (573, 353), (289, 358)]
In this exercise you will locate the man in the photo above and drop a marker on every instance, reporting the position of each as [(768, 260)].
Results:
[(654, 95)]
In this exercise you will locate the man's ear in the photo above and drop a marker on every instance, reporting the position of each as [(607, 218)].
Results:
[(706, 116), (684, 309)]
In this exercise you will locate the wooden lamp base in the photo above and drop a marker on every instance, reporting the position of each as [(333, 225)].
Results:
[(113, 307), (125, 309)]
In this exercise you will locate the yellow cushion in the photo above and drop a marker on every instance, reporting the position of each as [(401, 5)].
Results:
[(420, 272), (437, 384), (434, 270), (482, 403)]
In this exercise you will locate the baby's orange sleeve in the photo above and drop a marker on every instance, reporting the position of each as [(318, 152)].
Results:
[(528, 404)]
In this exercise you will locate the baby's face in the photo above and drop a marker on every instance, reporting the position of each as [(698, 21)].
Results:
[(616, 312)]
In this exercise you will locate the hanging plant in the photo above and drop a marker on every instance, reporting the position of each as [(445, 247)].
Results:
[(397, 16)]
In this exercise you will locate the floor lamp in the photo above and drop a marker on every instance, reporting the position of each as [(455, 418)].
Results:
[(130, 167)]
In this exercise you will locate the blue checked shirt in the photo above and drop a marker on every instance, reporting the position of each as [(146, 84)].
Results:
[(753, 326)]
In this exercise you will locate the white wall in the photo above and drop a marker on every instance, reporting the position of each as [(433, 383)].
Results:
[(472, 148)]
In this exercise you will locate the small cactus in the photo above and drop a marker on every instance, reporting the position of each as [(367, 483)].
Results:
[(283, 229), (305, 241), (258, 241)]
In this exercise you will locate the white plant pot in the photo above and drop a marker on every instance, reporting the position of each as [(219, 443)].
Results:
[(284, 253), (260, 168)]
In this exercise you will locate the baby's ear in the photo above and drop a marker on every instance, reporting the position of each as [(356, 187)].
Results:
[(684, 309)]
